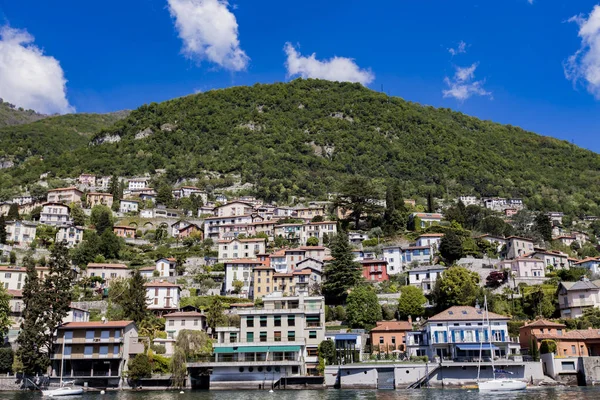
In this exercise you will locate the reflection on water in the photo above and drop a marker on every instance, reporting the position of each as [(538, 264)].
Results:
[(576, 393)]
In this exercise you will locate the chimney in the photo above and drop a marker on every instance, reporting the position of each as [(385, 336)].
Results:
[(410, 319)]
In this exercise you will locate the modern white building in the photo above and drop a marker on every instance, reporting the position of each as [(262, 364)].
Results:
[(240, 248), (424, 277), (136, 184), (70, 234), (55, 214), (166, 267), (162, 296), (21, 233), (393, 256), (239, 270), (129, 206)]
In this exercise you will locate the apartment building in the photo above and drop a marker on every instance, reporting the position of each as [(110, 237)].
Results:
[(374, 270), (64, 195), (239, 270), (280, 339), (166, 267), (21, 233), (393, 256), (87, 180), (308, 213), (96, 199), (107, 272), (70, 234), (95, 351), (424, 277), (518, 247), (55, 214), (163, 297), (137, 184), (525, 267), (320, 230), (575, 297), (290, 232), (235, 208), (555, 259), (262, 281), (178, 321), (240, 248), (13, 278), (216, 227)]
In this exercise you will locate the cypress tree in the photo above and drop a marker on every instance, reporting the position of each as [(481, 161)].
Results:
[(31, 337), (13, 213), (343, 273), (3, 233), (134, 304)]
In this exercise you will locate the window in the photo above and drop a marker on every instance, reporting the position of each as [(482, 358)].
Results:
[(88, 350), (249, 337), (263, 321), (7, 275), (116, 349), (291, 336), (103, 350), (171, 322), (68, 335), (263, 336), (312, 352), (277, 335), (232, 337), (573, 351), (250, 322), (117, 334), (393, 339), (89, 335), (277, 320), (380, 339), (291, 320), (312, 334), (183, 322), (67, 350), (195, 322)]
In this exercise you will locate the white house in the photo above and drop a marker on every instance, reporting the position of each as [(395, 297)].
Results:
[(128, 206), (424, 277), (188, 191), (356, 238), (468, 200), (166, 267), (77, 314), (22, 233), (591, 263), (55, 214), (239, 270), (162, 296), (136, 184), (426, 220), (177, 321), (318, 230), (147, 213), (555, 259), (240, 248), (430, 239), (71, 234), (518, 247), (213, 226), (393, 256), (419, 254), (525, 267)]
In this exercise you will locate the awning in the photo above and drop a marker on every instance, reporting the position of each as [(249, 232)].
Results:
[(484, 346), (345, 337), (254, 349), (284, 348)]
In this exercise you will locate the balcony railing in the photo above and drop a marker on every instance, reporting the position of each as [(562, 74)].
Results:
[(579, 303), (273, 340), (60, 339), (80, 356)]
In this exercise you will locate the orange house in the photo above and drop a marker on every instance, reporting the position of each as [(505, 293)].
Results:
[(535, 328), (576, 343), (188, 230), (124, 231), (390, 335)]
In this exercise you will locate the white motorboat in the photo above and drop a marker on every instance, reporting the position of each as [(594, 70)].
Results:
[(501, 385), (63, 391), (495, 384)]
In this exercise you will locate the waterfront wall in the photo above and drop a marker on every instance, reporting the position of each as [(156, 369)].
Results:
[(591, 368)]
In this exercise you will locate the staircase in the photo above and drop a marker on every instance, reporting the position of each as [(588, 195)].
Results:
[(425, 378)]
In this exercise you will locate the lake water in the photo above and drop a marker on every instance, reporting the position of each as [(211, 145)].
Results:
[(571, 393)]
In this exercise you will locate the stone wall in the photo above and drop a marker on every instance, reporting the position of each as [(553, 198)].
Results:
[(591, 368), (92, 305)]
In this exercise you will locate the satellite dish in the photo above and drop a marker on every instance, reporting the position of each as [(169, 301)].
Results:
[(103, 320)]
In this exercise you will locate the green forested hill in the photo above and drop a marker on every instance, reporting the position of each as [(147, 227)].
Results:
[(305, 136), (12, 115)]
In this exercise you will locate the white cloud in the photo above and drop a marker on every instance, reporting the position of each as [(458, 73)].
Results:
[(584, 65), (209, 31), (530, 1), (462, 85), (461, 48), (335, 69), (28, 78)]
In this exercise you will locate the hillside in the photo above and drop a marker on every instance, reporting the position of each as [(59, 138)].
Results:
[(11, 115), (306, 136)]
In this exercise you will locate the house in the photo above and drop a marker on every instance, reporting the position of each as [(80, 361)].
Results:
[(176, 226), (498, 241), (495, 203), (509, 212), (518, 246), (55, 214), (554, 259), (128, 206), (525, 267), (581, 237), (127, 232), (555, 217), (417, 254), (284, 283), (424, 277), (356, 238), (278, 261), (177, 321), (22, 200), (147, 213), (21, 233), (375, 270), (468, 200), (87, 180), (528, 332), (348, 345), (320, 230), (64, 195), (280, 339), (308, 213), (103, 183), (213, 226), (460, 333), (430, 239), (95, 350), (283, 212), (388, 336), (190, 229), (13, 278), (590, 263), (235, 208), (425, 220), (240, 248), (96, 198), (70, 234), (575, 297), (107, 271), (76, 314), (575, 343), (566, 240), (166, 267), (316, 252), (162, 296), (188, 191), (306, 280), (239, 270), (311, 263), (393, 256), (290, 232), (147, 272), (136, 184), (262, 281)]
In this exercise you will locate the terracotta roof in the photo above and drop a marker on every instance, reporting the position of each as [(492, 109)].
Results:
[(96, 324), (105, 265), (372, 261), (8, 268), (432, 235), (282, 275), (312, 248), (384, 326), (124, 226), (588, 259), (580, 334), (302, 272), (520, 238), (15, 293), (463, 313), (184, 314), (160, 284), (542, 323), (263, 267), (65, 189), (428, 215), (243, 261)]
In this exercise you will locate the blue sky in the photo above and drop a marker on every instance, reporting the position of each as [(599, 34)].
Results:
[(513, 67)]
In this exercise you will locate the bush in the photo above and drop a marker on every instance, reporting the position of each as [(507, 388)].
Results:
[(139, 367), (340, 313), (6, 359), (419, 359), (158, 348), (548, 346), (369, 243)]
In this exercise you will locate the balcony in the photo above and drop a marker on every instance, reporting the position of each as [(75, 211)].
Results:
[(81, 356), (81, 340), (579, 303), (270, 341)]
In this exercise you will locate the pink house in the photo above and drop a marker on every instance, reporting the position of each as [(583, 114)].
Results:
[(526, 267)]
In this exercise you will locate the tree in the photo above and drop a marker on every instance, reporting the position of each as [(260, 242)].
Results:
[(109, 245), (3, 233), (312, 241), (451, 248), (430, 203), (164, 195), (214, 315), (342, 273), (139, 367), (395, 216), (358, 196), (134, 300), (5, 322), (6, 359), (534, 351), (77, 215), (178, 367), (456, 213), (193, 343), (46, 234), (456, 287), (87, 250), (547, 346), (340, 313), (493, 226), (237, 286), (31, 338), (327, 351), (13, 213), (411, 302), (12, 257), (363, 309), (543, 226), (102, 219)]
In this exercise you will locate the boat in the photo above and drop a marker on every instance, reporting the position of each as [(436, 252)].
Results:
[(66, 388), (497, 384)]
